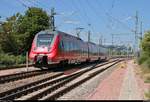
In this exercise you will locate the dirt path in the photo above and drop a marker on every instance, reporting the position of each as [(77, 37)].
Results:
[(130, 89), (121, 84), (109, 88)]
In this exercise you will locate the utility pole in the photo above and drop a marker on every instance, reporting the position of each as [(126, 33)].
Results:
[(112, 43), (27, 62), (136, 33), (52, 19), (100, 43), (101, 40), (141, 26), (112, 39), (140, 37), (89, 34)]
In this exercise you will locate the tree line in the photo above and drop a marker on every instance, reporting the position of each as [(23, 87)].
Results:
[(18, 31), (145, 51)]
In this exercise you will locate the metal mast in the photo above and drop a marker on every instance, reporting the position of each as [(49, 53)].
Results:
[(52, 19), (136, 33)]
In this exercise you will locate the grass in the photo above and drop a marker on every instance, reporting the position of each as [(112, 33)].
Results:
[(122, 65), (11, 60), (147, 95), (144, 71)]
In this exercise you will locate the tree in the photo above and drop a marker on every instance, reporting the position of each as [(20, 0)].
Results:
[(145, 44), (34, 20), (145, 54), (7, 35), (19, 30)]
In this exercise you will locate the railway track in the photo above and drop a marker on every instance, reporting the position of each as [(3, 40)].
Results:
[(19, 76), (24, 75), (15, 66), (54, 86)]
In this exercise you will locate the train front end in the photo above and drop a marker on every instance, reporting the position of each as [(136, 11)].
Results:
[(44, 48)]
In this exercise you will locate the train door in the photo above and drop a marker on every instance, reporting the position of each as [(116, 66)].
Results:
[(61, 49)]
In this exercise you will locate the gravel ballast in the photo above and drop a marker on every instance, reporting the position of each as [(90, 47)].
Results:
[(11, 85), (86, 88)]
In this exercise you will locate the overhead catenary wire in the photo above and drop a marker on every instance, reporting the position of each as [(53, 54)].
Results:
[(36, 2), (107, 13), (83, 16), (22, 3), (32, 2), (94, 10)]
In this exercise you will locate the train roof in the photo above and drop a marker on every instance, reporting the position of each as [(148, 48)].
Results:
[(58, 32), (66, 34), (98, 44), (47, 31)]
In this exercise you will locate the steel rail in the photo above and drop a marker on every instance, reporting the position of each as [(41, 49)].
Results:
[(14, 90), (19, 76), (68, 88), (15, 67), (34, 86)]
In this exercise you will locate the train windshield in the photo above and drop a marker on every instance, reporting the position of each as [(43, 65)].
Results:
[(44, 39)]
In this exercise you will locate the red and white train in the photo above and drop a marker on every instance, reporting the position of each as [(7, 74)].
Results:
[(50, 47)]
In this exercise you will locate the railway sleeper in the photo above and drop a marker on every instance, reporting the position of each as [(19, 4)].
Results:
[(12, 91), (70, 87), (18, 94)]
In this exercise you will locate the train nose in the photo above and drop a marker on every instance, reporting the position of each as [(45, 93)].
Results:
[(42, 49), (41, 59)]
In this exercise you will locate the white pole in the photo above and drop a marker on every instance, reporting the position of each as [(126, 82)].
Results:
[(27, 60)]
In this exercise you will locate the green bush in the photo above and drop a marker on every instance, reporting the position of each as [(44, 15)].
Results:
[(144, 57), (147, 63), (8, 60)]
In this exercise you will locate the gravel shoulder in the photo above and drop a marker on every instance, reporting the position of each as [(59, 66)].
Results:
[(118, 83), (144, 87), (130, 89), (17, 70), (109, 88), (81, 92)]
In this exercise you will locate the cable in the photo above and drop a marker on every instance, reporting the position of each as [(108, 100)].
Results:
[(39, 3), (93, 9), (112, 6), (32, 2), (110, 16), (78, 9), (119, 22), (22, 3)]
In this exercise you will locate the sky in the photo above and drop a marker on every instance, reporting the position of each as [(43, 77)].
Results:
[(106, 17)]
